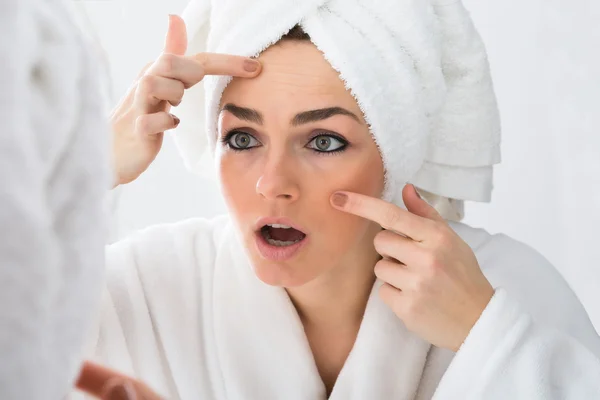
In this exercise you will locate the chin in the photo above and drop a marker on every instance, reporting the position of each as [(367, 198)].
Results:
[(304, 259), (282, 274)]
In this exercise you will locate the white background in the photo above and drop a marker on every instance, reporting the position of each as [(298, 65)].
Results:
[(545, 56)]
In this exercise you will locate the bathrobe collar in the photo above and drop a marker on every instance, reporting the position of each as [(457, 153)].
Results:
[(264, 352)]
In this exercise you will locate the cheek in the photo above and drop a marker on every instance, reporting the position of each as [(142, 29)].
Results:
[(360, 173), (237, 184)]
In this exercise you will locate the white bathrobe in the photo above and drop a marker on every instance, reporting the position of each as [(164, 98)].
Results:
[(184, 312), (53, 179)]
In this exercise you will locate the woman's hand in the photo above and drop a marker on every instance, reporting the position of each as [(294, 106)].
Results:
[(106, 384), (142, 116), (432, 279)]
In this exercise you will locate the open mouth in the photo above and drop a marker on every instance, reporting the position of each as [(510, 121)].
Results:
[(279, 239), (281, 235)]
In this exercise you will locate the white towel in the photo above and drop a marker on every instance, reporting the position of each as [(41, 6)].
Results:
[(418, 71)]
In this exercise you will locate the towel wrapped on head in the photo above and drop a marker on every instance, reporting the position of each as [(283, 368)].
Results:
[(417, 68)]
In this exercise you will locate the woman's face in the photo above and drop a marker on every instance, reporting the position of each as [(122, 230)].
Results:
[(289, 139)]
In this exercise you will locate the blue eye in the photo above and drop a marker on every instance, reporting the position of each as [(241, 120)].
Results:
[(327, 144), (241, 141)]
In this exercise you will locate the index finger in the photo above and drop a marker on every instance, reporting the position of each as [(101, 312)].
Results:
[(388, 215), (192, 69), (228, 64)]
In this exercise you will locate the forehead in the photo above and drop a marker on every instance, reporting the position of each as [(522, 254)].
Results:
[(295, 76)]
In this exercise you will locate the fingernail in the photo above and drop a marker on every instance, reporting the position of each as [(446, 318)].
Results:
[(122, 391), (339, 199), (175, 120), (251, 65), (417, 192)]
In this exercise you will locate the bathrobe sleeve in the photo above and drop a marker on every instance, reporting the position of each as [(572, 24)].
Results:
[(517, 350), (53, 174)]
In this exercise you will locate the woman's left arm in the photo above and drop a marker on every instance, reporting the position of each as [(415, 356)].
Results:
[(508, 356), (433, 282)]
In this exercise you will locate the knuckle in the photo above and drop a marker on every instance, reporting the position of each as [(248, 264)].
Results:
[(447, 242), (380, 239), (147, 84), (180, 91), (385, 235), (167, 63), (143, 123), (201, 58), (432, 263), (420, 285), (180, 88), (442, 232), (377, 271), (391, 216), (176, 91), (380, 267)]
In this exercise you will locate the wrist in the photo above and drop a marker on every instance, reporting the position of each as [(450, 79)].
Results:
[(478, 307)]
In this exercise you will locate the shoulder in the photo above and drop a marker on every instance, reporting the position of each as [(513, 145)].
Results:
[(499, 254), (149, 275), (165, 238), (166, 256), (511, 263), (529, 278), (162, 241)]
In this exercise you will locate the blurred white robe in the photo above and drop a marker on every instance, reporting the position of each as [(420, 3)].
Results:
[(53, 180)]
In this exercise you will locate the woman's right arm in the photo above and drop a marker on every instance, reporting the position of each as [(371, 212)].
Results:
[(143, 115), (138, 124)]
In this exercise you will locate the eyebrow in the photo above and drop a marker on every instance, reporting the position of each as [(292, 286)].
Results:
[(305, 117)]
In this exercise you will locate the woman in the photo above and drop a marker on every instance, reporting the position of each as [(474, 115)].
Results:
[(298, 293)]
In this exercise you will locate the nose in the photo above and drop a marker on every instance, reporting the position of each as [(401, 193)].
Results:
[(278, 181)]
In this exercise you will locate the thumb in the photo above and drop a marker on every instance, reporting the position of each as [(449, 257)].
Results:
[(176, 41), (416, 205)]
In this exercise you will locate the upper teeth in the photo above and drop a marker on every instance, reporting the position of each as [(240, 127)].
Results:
[(279, 226)]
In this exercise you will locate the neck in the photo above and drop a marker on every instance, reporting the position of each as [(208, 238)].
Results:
[(339, 299)]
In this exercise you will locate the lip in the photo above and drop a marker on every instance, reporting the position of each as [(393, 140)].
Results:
[(277, 220), (275, 253)]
